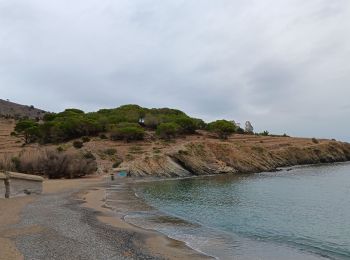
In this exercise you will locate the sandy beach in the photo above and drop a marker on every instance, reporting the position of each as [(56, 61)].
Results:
[(70, 221)]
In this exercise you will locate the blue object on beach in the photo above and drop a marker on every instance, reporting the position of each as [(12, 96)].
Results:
[(122, 174)]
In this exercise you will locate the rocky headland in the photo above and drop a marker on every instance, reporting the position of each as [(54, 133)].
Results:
[(239, 154)]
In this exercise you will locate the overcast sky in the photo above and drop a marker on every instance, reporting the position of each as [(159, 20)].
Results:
[(282, 64)]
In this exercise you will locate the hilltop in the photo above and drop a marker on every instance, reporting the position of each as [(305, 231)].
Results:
[(13, 110)]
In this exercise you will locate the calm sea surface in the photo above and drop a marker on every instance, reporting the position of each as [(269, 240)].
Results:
[(303, 213)]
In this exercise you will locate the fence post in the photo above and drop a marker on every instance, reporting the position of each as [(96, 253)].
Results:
[(7, 185)]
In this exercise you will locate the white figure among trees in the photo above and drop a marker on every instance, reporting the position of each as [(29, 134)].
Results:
[(248, 127)]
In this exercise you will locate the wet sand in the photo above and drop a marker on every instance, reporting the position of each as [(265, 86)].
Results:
[(157, 244), (70, 221)]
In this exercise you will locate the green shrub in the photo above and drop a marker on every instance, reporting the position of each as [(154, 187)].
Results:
[(127, 133), (78, 144), (167, 130), (49, 117), (315, 141), (73, 110), (187, 125), (152, 121), (89, 155), (29, 129), (222, 128), (64, 126), (117, 163), (85, 139), (59, 149), (110, 151), (103, 136), (265, 133), (240, 131), (200, 124), (126, 124)]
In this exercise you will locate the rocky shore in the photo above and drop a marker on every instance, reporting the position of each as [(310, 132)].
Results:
[(249, 155)]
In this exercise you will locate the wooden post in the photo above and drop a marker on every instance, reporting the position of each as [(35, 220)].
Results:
[(7, 185)]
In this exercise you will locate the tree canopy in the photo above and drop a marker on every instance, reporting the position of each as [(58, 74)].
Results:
[(168, 130), (29, 129), (74, 123), (222, 128), (128, 122)]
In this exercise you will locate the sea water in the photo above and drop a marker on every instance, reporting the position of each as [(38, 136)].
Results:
[(300, 213)]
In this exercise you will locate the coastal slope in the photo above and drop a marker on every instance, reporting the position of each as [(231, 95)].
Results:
[(239, 154), (198, 154)]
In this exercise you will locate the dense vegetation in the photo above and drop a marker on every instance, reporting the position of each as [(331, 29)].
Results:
[(128, 122), (222, 128), (51, 163)]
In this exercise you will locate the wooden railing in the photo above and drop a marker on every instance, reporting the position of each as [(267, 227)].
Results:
[(16, 184)]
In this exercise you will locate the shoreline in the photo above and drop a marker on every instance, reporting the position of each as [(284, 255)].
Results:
[(88, 197), (138, 181), (26, 233), (154, 242)]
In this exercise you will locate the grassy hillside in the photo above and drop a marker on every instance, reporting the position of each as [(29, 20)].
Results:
[(8, 143)]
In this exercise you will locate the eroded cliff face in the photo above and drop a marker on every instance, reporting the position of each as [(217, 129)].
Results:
[(217, 157)]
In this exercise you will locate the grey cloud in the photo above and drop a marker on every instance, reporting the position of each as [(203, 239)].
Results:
[(281, 65), (271, 80)]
